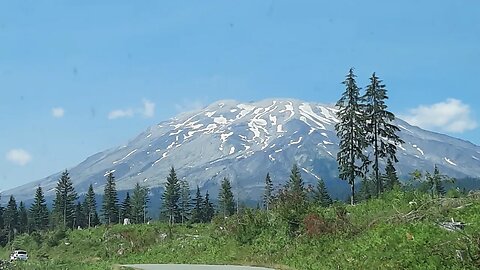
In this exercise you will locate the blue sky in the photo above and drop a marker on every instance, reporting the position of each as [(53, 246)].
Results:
[(78, 77)]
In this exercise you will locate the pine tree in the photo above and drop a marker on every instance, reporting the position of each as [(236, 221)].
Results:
[(90, 207), (197, 211), (436, 182), (139, 204), (268, 193), (80, 217), (295, 185), (22, 218), (382, 135), (126, 210), (391, 178), (321, 196), (351, 131), (171, 197), (39, 212), (225, 198), (3, 234), (10, 218), (208, 209), (110, 201), (184, 201), (64, 202)]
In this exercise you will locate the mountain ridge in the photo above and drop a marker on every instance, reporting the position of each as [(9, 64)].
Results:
[(244, 141)]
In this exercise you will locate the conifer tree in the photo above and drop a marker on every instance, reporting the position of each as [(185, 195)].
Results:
[(184, 201), (268, 193), (351, 131), (90, 208), (3, 234), (391, 178), (381, 133), (436, 182), (208, 209), (139, 204), (39, 212), (197, 211), (321, 196), (10, 218), (64, 202), (295, 185), (126, 210), (110, 201), (225, 198), (171, 197), (22, 218)]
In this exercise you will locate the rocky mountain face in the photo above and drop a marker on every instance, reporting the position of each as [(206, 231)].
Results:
[(244, 141)]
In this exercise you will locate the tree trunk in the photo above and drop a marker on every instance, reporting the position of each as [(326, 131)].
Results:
[(352, 198)]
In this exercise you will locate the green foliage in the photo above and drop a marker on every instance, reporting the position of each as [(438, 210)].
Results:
[(390, 178), (39, 214), (225, 198), (321, 196), (22, 218), (90, 208), (126, 209), (268, 193), (64, 202), (381, 133), (110, 201), (171, 198), (351, 131), (139, 204), (184, 205), (208, 211), (10, 218)]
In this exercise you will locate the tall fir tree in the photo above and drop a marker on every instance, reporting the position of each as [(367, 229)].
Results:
[(171, 198), (3, 234), (381, 132), (139, 204), (64, 202), (351, 131), (110, 201), (90, 208), (268, 193), (321, 196), (390, 177), (22, 218), (436, 182), (184, 206), (208, 209), (126, 210), (39, 212), (367, 189), (197, 211), (295, 185), (225, 198), (10, 218)]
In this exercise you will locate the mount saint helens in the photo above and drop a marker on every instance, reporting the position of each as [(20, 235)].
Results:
[(244, 141)]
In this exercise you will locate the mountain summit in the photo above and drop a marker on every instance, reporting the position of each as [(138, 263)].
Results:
[(244, 141)]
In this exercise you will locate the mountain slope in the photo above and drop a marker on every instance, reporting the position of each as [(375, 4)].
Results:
[(244, 141)]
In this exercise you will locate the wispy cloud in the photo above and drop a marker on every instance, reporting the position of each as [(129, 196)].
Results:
[(19, 157), (148, 108), (58, 112), (451, 115), (120, 114)]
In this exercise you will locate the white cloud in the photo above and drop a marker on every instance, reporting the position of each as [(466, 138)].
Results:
[(58, 112), (451, 116), (120, 114), (148, 108), (19, 157)]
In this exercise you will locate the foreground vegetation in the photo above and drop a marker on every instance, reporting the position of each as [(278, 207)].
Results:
[(399, 230)]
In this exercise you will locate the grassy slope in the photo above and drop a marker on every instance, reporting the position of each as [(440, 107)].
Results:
[(386, 233)]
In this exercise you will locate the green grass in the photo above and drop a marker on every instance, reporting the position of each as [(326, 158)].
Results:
[(385, 233)]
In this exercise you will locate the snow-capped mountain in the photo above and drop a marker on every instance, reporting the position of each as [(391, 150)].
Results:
[(244, 141)]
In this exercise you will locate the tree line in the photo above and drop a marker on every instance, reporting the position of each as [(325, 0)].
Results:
[(365, 126)]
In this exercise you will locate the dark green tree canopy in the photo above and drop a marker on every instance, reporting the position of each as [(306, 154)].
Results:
[(110, 201), (225, 198), (39, 212), (351, 131), (171, 197), (64, 202)]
